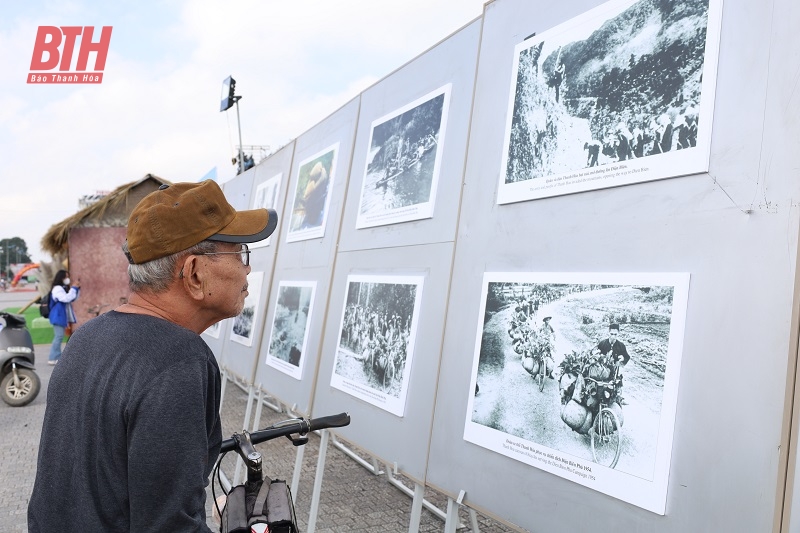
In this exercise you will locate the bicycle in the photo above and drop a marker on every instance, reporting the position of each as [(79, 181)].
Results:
[(535, 355), (256, 504), (606, 431), (589, 395)]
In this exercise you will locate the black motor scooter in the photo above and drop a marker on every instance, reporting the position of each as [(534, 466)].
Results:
[(19, 384)]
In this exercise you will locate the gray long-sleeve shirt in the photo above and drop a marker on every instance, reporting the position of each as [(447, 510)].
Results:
[(131, 430)]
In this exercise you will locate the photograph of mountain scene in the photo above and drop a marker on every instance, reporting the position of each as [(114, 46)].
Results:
[(626, 88)]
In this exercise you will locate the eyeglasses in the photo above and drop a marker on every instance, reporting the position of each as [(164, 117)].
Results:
[(244, 254)]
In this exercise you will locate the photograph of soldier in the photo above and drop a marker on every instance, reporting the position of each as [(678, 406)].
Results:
[(376, 336), (290, 326), (312, 196), (587, 334), (625, 84), (402, 168)]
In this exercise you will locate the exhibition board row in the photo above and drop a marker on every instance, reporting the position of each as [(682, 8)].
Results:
[(505, 259)]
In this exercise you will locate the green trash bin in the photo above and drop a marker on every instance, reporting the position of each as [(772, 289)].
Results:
[(41, 330)]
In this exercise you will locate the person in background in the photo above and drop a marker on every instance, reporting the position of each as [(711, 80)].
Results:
[(62, 293), (593, 147)]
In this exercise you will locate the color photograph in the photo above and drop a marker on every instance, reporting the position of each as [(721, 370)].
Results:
[(312, 196), (290, 326), (403, 162), (376, 339), (621, 94), (577, 374)]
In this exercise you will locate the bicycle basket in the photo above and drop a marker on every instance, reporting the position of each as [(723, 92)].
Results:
[(269, 502), (605, 392)]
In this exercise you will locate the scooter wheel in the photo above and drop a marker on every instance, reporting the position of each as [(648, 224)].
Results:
[(23, 393)]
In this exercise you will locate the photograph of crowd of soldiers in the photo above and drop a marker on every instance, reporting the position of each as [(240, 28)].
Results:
[(657, 136), (631, 89), (376, 330)]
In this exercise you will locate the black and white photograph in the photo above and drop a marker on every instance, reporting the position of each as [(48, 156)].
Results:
[(312, 195), (245, 323), (266, 196), (577, 374), (376, 339), (403, 162), (214, 329), (290, 326), (621, 94)]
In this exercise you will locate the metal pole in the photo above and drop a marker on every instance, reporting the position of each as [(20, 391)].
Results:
[(315, 493), (451, 523), (239, 123), (416, 508)]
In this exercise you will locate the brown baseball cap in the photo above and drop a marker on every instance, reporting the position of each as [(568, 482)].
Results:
[(178, 216)]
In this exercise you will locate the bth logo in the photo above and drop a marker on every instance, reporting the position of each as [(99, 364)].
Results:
[(49, 54)]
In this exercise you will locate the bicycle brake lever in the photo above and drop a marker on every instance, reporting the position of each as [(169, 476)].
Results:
[(298, 441)]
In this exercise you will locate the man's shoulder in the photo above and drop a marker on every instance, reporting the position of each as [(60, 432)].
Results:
[(146, 332)]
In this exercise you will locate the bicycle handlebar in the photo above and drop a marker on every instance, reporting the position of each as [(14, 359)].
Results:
[(289, 427), (599, 381)]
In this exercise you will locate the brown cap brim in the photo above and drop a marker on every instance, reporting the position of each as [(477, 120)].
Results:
[(248, 226)]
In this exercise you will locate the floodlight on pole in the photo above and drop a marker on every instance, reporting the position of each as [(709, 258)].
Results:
[(229, 98)]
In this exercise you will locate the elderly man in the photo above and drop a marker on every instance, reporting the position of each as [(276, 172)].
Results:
[(132, 428)]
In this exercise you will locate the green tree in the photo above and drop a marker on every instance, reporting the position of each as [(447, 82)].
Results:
[(13, 250)]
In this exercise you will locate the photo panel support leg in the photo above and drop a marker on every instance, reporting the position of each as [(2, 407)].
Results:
[(259, 408), (248, 410), (416, 508), (451, 523), (298, 465), (222, 388), (323, 450), (473, 519), (428, 505)]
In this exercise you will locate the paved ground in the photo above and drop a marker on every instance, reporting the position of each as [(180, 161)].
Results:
[(352, 498)]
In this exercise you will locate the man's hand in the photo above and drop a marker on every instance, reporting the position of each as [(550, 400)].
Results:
[(220, 504)]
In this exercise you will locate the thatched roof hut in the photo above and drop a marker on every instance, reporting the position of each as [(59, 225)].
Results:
[(111, 211), (89, 243)]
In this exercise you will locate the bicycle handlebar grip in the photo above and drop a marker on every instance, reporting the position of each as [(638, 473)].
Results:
[(333, 421)]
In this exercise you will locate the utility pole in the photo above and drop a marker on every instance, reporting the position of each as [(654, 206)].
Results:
[(229, 98)]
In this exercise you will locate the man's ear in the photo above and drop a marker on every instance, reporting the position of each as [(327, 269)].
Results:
[(192, 275)]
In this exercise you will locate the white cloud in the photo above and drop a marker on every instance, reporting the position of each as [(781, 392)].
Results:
[(157, 108)]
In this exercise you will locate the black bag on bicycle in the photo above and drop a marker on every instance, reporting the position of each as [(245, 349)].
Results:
[(269, 502)]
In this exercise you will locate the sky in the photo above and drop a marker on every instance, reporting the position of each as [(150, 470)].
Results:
[(157, 109)]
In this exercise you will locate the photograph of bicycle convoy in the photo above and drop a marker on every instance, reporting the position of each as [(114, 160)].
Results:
[(576, 366)]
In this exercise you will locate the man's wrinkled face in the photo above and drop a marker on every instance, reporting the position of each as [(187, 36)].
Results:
[(226, 288)]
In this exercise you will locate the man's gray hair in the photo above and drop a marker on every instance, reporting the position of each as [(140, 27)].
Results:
[(156, 275)]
